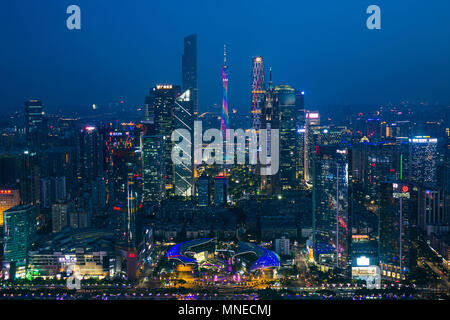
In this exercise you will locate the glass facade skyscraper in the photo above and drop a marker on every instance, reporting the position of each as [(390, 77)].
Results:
[(189, 69), (287, 108), (19, 224), (153, 168), (162, 101), (184, 119), (331, 211), (396, 227)]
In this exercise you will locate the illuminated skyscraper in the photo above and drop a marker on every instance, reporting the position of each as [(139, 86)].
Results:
[(184, 119), (189, 69), (153, 168), (9, 197), (162, 104), (270, 119), (422, 164), (90, 154), (397, 224), (224, 121), (300, 135), (19, 235), (258, 91), (286, 100), (312, 120), (331, 230)]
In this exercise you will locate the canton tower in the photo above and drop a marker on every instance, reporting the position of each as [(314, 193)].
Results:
[(224, 122)]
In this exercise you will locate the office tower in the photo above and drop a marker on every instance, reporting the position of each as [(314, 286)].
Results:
[(373, 163), (312, 120), (123, 176), (162, 100), (189, 70), (184, 119), (300, 109), (9, 197), (29, 178), (116, 141), (220, 190), (19, 224), (300, 136), (286, 106), (258, 91), (270, 119), (395, 230), (125, 197), (432, 216), (60, 215), (153, 168), (203, 190), (422, 164), (224, 120), (331, 192), (90, 153), (34, 122)]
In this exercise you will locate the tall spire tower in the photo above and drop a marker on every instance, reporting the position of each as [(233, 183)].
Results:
[(224, 122)]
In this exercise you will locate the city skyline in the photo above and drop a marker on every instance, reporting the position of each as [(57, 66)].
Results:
[(289, 182)]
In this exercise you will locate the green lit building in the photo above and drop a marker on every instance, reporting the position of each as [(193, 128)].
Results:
[(19, 235)]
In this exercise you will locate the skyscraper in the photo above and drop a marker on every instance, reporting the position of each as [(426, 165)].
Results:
[(395, 232), (19, 234), (153, 168), (257, 91), (422, 164), (162, 100), (224, 121), (270, 119), (90, 153), (189, 69), (29, 178), (331, 230), (312, 120), (300, 136), (203, 190), (220, 190), (34, 122), (286, 100), (184, 119)]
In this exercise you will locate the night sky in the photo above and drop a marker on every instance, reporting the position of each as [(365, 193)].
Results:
[(321, 47)]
